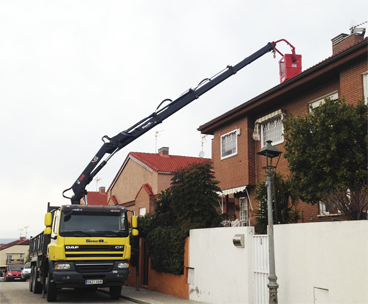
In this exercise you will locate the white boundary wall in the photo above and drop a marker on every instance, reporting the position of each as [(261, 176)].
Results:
[(330, 259), (315, 263), (222, 273)]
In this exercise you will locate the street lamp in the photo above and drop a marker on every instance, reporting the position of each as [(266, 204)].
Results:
[(272, 154)]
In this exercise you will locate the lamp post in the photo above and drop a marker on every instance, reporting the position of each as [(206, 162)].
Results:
[(270, 152)]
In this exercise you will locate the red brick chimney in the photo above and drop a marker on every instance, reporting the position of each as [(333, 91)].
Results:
[(164, 151), (344, 41), (101, 190)]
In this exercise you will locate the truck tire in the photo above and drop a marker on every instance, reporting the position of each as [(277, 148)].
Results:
[(115, 292), (30, 283), (36, 286), (51, 289)]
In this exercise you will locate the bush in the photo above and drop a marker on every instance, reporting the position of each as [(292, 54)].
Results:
[(166, 245)]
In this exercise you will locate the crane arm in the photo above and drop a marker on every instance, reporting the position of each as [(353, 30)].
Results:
[(114, 144)]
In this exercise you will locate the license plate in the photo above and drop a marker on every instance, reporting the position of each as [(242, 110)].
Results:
[(94, 282)]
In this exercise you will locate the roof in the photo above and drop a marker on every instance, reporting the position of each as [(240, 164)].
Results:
[(307, 80), (15, 243), (166, 163), (159, 162), (97, 198)]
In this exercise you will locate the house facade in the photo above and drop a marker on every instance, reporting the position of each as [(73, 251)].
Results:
[(13, 253), (143, 176), (241, 132)]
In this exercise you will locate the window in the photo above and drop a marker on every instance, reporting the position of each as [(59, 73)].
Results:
[(229, 144), (365, 87), (272, 130), (270, 127), (142, 211), (9, 257), (243, 211), (56, 224), (321, 100), (328, 209)]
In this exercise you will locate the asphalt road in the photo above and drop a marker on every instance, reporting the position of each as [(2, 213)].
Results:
[(18, 293)]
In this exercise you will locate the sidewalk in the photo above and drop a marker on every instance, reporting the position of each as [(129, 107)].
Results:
[(145, 296)]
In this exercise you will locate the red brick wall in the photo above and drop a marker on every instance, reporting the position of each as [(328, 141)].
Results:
[(351, 82), (234, 171), (244, 168)]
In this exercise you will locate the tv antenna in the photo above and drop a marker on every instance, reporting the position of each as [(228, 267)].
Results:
[(97, 180), (157, 133), (203, 140), (21, 230)]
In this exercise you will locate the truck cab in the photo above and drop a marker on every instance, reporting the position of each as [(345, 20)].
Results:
[(82, 246)]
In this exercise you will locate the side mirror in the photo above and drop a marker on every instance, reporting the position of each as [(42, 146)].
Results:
[(48, 219), (47, 231), (135, 232), (134, 222)]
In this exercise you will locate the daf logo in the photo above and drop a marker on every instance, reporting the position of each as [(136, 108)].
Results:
[(71, 247), (119, 247)]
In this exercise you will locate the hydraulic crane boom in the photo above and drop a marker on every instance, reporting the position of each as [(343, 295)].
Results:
[(114, 144)]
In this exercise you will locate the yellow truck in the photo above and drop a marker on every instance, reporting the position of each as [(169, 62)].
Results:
[(81, 247)]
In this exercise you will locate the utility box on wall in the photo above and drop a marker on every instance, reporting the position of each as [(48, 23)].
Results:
[(290, 66)]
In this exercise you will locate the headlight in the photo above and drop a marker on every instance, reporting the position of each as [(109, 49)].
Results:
[(62, 266), (10, 274), (123, 265)]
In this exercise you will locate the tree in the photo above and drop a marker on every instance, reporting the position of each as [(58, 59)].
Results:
[(284, 201), (327, 154), (194, 197)]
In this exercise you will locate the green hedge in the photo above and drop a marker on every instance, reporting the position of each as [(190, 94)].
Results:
[(166, 247)]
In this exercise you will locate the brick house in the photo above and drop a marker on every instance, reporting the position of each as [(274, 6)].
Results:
[(143, 176), (13, 253), (241, 132)]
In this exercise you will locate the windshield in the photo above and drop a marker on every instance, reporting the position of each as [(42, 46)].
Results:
[(84, 223), (28, 265), (15, 268)]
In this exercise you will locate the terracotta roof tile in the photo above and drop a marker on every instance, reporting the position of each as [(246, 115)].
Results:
[(97, 198), (15, 243), (166, 163)]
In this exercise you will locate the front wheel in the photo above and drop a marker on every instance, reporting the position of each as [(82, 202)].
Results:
[(115, 292), (51, 289)]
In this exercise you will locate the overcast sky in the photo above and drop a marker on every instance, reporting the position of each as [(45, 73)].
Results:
[(74, 71)]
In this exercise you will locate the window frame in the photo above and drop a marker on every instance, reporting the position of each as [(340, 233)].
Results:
[(321, 100), (365, 86), (9, 258), (324, 212), (142, 209), (274, 143), (235, 131)]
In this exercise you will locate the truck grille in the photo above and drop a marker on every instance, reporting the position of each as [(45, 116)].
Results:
[(93, 267), (73, 248), (94, 251)]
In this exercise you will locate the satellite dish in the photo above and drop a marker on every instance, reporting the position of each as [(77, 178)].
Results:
[(201, 154)]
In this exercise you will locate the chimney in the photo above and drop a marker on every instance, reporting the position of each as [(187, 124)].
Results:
[(102, 190), (164, 151), (344, 41)]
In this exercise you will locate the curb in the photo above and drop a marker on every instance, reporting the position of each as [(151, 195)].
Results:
[(126, 298)]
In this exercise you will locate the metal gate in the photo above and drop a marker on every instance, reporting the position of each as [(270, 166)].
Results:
[(260, 269)]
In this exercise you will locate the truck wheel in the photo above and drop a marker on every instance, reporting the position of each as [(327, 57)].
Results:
[(115, 292), (51, 289), (30, 283), (36, 286)]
